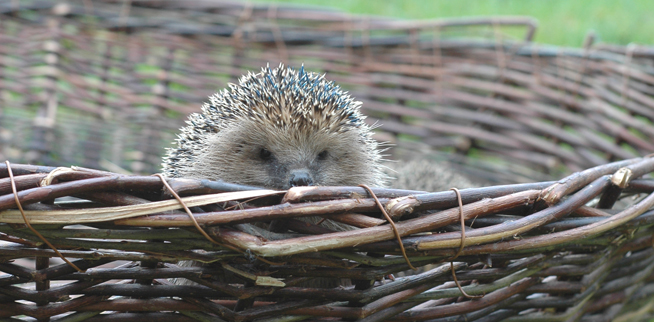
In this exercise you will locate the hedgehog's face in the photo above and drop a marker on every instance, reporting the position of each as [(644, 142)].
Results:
[(254, 153)]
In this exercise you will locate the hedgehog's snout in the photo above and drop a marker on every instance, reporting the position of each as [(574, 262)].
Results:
[(300, 177)]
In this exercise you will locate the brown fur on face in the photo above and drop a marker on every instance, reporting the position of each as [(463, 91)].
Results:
[(253, 153)]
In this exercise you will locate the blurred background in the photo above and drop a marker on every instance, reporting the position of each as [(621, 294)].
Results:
[(561, 22), (505, 90)]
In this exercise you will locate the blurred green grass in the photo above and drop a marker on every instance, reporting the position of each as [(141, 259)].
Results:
[(561, 22)]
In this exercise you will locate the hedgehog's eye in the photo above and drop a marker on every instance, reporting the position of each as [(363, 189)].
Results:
[(323, 155), (264, 154)]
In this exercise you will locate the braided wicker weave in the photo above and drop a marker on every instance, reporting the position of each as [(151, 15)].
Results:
[(106, 84)]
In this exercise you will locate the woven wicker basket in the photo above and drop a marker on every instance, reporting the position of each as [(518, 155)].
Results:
[(106, 84)]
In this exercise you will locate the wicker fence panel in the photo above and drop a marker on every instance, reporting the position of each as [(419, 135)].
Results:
[(106, 85), (109, 83)]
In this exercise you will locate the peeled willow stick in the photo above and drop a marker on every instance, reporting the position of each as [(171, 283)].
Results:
[(120, 212), (285, 210), (373, 234)]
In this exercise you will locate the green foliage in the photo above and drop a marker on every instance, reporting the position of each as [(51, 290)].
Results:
[(561, 22)]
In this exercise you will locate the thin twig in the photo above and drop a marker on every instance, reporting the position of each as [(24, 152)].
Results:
[(463, 240), (390, 221), (190, 214)]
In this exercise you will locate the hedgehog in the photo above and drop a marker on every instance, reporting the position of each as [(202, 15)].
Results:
[(278, 129)]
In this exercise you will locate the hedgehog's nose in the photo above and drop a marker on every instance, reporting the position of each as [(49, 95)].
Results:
[(300, 178)]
